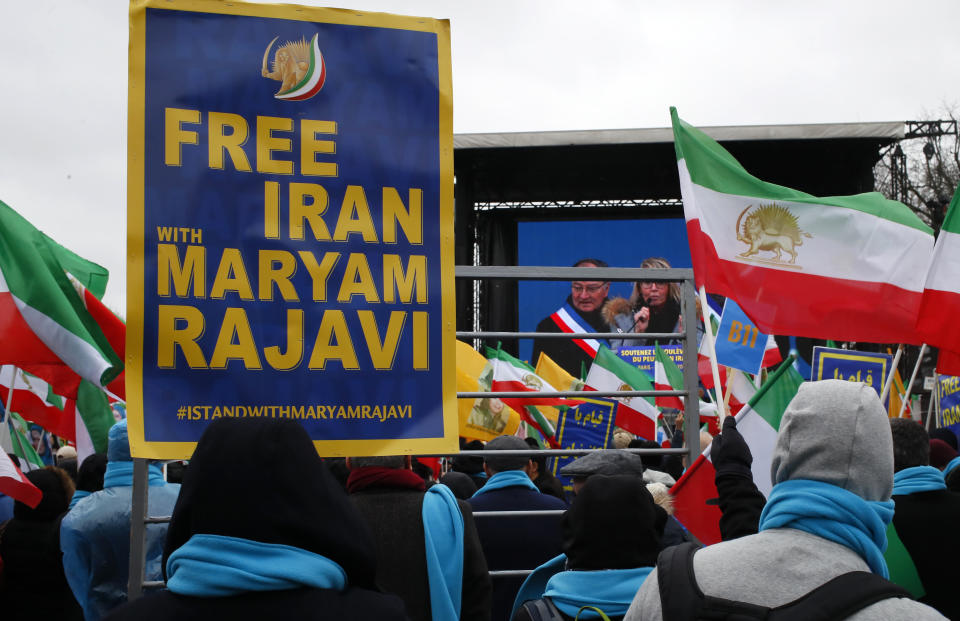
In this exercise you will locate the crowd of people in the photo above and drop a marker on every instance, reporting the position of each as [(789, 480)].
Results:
[(858, 525)]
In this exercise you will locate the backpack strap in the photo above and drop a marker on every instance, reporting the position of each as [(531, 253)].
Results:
[(680, 596), (542, 610), (603, 616), (839, 598)]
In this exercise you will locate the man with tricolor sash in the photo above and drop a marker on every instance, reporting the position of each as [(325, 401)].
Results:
[(581, 312)]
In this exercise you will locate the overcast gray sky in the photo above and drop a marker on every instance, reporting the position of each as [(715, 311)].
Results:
[(519, 65)]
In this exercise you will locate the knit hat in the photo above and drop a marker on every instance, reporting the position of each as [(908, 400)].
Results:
[(946, 435), (499, 463), (66, 452), (941, 454)]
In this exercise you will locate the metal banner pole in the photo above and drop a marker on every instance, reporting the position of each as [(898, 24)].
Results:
[(691, 380), (138, 530)]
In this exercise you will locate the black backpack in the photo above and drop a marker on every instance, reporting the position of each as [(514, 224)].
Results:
[(544, 609), (682, 600)]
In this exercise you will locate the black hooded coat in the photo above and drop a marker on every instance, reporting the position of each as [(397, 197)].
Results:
[(33, 584), (262, 480)]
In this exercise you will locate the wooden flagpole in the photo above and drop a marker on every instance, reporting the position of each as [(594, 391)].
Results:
[(708, 334), (885, 389), (913, 376)]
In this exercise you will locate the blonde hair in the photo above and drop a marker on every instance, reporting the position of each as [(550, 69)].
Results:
[(655, 262)]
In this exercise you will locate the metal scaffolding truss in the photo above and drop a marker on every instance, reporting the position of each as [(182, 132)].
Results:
[(601, 203), (930, 129)]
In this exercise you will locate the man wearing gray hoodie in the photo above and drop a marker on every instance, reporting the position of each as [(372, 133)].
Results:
[(827, 514)]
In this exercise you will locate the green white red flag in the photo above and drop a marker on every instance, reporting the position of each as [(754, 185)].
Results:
[(45, 327), (92, 418), (34, 399), (940, 307), (758, 423), (21, 440), (113, 329), (509, 374), (85, 421), (609, 372), (667, 376), (840, 267), (15, 485), (514, 375)]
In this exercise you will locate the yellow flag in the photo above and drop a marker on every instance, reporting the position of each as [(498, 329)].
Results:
[(897, 392), (557, 377), (469, 360), (480, 419)]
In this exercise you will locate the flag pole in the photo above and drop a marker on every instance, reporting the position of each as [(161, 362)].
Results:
[(933, 397), (730, 379), (708, 334), (913, 376), (6, 439), (885, 389)]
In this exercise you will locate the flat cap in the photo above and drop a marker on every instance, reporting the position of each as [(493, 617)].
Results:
[(605, 461)]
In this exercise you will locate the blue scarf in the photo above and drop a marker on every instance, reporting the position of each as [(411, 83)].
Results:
[(120, 474), (953, 463), (443, 543), (833, 513), (77, 495), (917, 479), (507, 478), (219, 566), (536, 582), (610, 590)]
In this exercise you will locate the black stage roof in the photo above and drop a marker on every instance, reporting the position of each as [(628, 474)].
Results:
[(822, 159)]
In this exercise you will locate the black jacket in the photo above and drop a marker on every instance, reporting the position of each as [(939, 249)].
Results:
[(394, 517), (516, 542), (926, 523), (354, 604), (33, 584), (261, 480)]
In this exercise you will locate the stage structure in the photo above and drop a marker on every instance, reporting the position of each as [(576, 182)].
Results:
[(512, 181)]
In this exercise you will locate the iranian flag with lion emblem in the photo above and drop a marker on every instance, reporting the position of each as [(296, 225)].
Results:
[(842, 267)]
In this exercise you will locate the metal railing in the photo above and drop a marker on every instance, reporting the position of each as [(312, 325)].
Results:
[(140, 517)]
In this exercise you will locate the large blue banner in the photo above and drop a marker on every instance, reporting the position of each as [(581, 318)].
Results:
[(290, 226), (587, 426)]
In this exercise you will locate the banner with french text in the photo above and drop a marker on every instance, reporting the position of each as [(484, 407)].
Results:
[(644, 357), (851, 365), (290, 226)]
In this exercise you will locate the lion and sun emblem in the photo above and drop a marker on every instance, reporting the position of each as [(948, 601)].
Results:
[(298, 66), (770, 228)]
